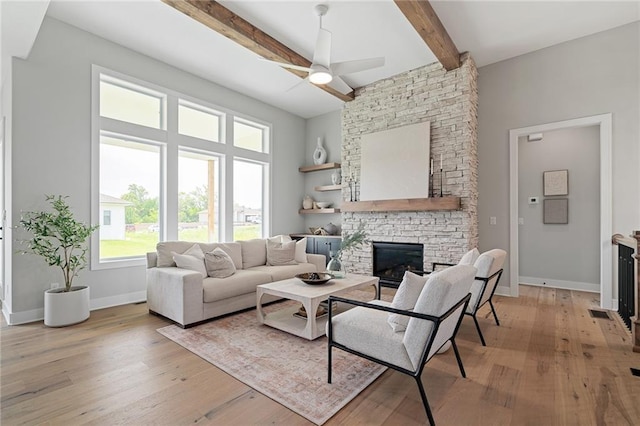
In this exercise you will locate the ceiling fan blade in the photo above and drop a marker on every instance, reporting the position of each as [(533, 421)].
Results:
[(285, 65), (348, 67), (338, 84), (322, 54)]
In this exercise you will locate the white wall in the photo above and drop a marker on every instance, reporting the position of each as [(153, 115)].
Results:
[(561, 255), (51, 148), (589, 76), (328, 127)]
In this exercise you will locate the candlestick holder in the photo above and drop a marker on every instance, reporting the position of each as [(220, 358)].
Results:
[(431, 191), (441, 182), (350, 190)]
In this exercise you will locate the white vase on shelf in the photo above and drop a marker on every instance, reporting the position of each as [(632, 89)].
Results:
[(320, 154)]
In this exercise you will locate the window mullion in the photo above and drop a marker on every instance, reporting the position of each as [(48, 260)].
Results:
[(171, 171)]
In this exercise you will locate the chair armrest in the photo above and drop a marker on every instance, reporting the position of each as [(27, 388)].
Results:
[(464, 300), (380, 308)]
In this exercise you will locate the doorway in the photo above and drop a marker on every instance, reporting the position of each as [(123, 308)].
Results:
[(604, 123)]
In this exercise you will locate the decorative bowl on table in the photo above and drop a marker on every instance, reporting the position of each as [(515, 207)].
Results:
[(314, 278)]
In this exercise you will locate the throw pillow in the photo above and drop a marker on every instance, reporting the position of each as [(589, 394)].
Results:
[(219, 264), (281, 253), (187, 261), (405, 299), (195, 251), (469, 257), (301, 251)]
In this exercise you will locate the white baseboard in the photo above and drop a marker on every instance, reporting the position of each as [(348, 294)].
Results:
[(23, 317), (503, 291), (121, 299), (567, 285)]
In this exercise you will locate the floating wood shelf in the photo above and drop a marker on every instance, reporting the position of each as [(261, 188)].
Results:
[(328, 188), (405, 204), (318, 211), (314, 168)]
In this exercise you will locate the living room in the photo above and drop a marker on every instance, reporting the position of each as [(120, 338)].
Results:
[(48, 150)]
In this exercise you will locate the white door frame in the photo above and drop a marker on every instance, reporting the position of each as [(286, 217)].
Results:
[(604, 122)]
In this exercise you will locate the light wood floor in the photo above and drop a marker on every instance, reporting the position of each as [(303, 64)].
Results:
[(549, 363)]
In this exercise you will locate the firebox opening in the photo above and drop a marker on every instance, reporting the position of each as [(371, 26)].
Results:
[(391, 260)]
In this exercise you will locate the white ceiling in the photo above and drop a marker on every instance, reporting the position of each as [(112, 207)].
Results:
[(491, 31)]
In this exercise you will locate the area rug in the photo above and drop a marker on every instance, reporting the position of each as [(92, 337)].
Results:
[(285, 368)]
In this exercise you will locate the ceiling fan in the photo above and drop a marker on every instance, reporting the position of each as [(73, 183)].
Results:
[(322, 71)]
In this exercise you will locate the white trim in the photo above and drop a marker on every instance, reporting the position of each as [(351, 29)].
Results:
[(604, 121), (33, 315), (553, 283)]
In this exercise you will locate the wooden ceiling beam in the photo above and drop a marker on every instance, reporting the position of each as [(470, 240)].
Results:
[(222, 20), (421, 15)]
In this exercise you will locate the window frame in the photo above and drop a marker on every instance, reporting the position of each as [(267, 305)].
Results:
[(171, 143)]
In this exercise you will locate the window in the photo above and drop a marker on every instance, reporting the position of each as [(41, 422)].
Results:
[(249, 135), (130, 178), (198, 122), (165, 168), (106, 218), (126, 102), (198, 197), (248, 207)]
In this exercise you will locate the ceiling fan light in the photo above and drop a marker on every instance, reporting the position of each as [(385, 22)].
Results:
[(320, 77)]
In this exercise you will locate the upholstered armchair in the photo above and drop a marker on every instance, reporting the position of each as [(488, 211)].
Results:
[(405, 339), (490, 266)]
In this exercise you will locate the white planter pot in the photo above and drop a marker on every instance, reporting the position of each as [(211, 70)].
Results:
[(65, 308)]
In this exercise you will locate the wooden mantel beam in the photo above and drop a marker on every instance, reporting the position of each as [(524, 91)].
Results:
[(425, 21), (222, 20)]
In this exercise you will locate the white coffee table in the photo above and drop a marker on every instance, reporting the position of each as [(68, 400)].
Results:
[(310, 296)]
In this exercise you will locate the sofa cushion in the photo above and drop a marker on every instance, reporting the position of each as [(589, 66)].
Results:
[(279, 253), (165, 258), (234, 250), (254, 253), (284, 272), (242, 282), (166, 249), (219, 264), (405, 298)]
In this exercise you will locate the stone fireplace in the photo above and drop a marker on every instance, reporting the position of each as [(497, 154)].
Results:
[(448, 100)]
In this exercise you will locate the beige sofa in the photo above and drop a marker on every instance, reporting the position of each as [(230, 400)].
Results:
[(188, 298)]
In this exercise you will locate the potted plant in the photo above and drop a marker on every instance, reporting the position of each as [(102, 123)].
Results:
[(61, 241), (349, 241)]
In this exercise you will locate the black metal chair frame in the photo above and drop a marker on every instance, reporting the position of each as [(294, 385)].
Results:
[(423, 358), (484, 287)]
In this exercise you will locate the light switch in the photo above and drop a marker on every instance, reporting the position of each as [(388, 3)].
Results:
[(492, 220), (521, 221)]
